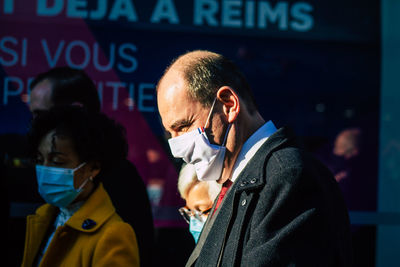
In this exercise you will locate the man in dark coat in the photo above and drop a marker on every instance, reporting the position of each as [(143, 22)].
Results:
[(278, 205)]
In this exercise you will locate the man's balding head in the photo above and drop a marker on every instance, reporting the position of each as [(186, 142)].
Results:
[(205, 72)]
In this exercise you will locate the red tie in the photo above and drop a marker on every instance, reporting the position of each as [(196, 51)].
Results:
[(224, 189)]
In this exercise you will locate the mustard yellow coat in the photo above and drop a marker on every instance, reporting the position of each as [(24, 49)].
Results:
[(105, 241)]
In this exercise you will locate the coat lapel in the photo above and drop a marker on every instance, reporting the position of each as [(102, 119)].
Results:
[(36, 229)]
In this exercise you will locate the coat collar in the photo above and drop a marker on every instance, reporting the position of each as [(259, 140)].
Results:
[(251, 146), (252, 175), (97, 209)]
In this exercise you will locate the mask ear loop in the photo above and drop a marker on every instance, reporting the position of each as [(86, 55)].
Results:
[(80, 166), (208, 118), (209, 114), (226, 134), (85, 182)]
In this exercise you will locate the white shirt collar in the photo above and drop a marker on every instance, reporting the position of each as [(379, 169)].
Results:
[(67, 212), (251, 146)]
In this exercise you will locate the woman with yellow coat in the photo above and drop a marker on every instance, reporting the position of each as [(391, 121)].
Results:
[(74, 150)]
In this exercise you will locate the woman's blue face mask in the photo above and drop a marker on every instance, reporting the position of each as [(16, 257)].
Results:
[(56, 185)]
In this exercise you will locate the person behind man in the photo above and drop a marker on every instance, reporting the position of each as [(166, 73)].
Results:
[(79, 225), (348, 143), (62, 86), (67, 86), (278, 206), (199, 197), (355, 169)]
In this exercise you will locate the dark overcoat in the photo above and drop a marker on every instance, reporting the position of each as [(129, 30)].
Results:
[(284, 209)]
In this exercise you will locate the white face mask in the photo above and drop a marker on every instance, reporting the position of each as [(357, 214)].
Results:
[(195, 148)]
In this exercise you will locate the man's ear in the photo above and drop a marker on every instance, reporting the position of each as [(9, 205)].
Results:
[(231, 103)]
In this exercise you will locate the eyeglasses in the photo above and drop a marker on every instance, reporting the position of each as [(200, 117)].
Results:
[(187, 213)]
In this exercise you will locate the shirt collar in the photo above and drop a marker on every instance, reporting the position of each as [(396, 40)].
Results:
[(67, 212), (251, 146)]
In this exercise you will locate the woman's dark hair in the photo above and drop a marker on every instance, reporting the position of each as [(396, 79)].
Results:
[(95, 136), (70, 86)]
